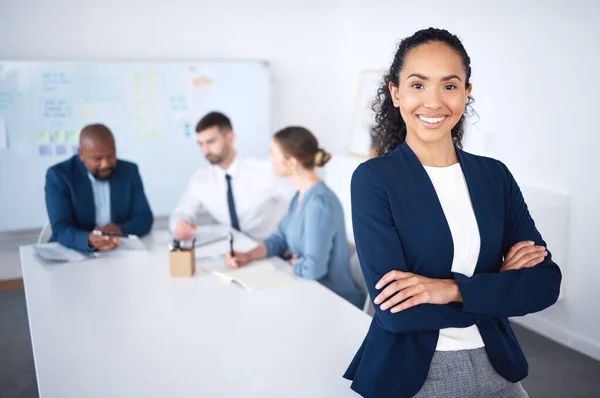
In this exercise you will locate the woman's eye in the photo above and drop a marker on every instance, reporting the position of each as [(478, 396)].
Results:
[(449, 87), (417, 86)]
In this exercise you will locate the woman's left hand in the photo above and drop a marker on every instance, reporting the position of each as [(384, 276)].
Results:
[(410, 290)]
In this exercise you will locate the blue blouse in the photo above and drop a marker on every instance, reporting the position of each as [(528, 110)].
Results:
[(315, 231)]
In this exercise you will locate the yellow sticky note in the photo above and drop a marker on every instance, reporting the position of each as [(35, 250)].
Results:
[(73, 135), (87, 111), (44, 137), (60, 136), (199, 82)]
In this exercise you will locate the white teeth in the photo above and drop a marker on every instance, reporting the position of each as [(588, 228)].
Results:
[(432, 120)]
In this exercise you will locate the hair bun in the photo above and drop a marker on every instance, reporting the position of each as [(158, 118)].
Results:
[(322, 157)]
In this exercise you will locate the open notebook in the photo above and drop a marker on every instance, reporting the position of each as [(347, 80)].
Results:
[(258, 275)]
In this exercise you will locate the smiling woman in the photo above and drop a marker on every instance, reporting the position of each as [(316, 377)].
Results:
[(428, 93), (447, 246)]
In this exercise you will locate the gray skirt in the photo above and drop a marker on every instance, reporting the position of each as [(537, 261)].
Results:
[(466, 373)]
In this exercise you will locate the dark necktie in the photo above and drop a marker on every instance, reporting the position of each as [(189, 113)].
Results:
[(231, 203)]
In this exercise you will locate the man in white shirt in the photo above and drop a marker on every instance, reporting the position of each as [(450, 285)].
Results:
[(238, 191)]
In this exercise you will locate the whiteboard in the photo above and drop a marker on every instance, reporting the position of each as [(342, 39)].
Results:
[(151, 107)]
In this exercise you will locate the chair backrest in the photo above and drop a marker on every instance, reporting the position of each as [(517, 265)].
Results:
[(359, 279), (45, 234), (355, 270)]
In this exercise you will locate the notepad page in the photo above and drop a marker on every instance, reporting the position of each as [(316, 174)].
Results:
[(258, 275)]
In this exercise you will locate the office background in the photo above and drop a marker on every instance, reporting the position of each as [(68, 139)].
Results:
[(535, 78)]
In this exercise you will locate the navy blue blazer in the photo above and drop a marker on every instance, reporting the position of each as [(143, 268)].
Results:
[(70, 202), (399, 224)]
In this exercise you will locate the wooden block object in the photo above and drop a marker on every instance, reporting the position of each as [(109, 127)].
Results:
[(11, 284), (182, 263)]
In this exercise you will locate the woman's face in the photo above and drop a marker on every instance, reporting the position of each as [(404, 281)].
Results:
[(431, 93), (281, 164)]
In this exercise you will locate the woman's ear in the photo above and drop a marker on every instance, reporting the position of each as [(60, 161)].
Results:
[(394, 94), (292, 165), (468, 91)]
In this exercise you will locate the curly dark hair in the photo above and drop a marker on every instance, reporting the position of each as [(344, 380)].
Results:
[(389, 130)]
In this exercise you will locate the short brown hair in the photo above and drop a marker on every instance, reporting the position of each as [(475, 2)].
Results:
[(214, 119)]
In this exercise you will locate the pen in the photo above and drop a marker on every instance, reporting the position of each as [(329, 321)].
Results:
[(174, 246), (231, 243), (110, 234)]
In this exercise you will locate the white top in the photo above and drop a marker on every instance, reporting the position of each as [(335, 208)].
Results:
[(451, 188), (120, 326), (261, 198)]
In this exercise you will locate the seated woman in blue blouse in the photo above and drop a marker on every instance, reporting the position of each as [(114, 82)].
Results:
[(447, 246), (312, 235)]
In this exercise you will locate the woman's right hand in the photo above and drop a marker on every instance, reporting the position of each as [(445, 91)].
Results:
[(239, 259), (523, 255)]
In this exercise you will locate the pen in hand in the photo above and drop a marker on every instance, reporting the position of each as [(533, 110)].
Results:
[(232, 261), (97, 232)]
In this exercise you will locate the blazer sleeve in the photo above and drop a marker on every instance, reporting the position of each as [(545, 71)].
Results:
[(514, 292), (60, 214), (141, 217), (380, 251)]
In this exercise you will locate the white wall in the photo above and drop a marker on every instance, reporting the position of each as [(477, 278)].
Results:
[(534, 75)]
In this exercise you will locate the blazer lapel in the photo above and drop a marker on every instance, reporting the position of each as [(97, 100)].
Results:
[(486, 211), (431, 218), (85, 194), (116, 192)]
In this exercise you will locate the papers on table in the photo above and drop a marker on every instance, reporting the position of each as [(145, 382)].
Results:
[(55, 252), (258, 275), (132, 242)]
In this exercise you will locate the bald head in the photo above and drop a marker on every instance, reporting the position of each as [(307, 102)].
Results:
[(96, 134), (97, 150)]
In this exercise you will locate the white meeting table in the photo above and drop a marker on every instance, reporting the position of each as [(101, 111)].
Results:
[(120, 326)]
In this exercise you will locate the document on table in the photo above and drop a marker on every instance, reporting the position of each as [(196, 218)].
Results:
[(55, 252), (211, 256), (258, 275), (207, 235), (132, 242)]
